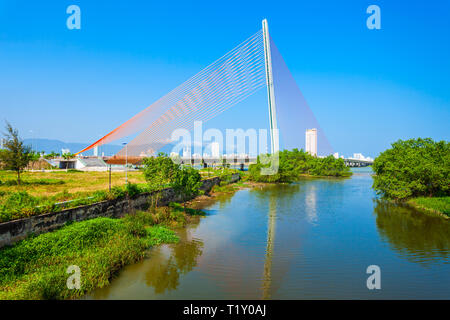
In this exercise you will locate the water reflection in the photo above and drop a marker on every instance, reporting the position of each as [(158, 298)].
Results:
[(414, 235), (166, 267), (285, 194), (268, 243), (161, 270), (310, 204), (267, 280)]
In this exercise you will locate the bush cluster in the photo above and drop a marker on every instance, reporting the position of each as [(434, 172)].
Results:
[(162, 171), (413, 168)]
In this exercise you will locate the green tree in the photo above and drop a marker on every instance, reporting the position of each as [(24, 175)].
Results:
[(187, 183), (16, 155), (412, 168), (159, 172)]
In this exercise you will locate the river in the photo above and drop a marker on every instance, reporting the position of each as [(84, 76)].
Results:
[(310, 240)]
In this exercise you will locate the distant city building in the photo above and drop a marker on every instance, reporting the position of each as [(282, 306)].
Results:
[(187, 152), (64, 151), (336, 155), (96, 151), (215, 150), (311, 141)]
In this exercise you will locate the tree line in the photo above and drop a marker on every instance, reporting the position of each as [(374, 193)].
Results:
[(292, 164)]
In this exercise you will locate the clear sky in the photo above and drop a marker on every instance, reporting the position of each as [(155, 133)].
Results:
[(367, 88)]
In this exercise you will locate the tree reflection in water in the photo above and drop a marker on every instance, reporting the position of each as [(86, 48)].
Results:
[(416, 236), (164, 273)]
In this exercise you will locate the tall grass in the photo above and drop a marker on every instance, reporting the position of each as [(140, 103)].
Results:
[(436, 204)]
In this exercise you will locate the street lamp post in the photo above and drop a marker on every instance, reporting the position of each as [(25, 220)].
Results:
[(126, 162)]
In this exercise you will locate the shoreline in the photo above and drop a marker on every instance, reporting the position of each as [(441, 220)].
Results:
[(427, 210)]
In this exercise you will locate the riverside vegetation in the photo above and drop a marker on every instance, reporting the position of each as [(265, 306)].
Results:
[(416, 171), (36, 267), (296, 163)]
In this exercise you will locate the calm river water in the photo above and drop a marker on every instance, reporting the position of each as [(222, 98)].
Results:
[(310, 240)]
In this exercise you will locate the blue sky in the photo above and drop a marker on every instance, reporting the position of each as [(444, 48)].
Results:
[(367, 88)]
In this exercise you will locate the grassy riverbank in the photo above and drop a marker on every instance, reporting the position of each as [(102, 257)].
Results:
[(439, 205), (52, 183), (36, 268), (41, 192)]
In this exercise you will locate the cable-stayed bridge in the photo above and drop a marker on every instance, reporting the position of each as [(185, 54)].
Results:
[(253, 65)]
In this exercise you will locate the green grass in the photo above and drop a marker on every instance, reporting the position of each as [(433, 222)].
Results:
[(52, 183), (226, 188), (435, 204), (40, 192), (21, 204), (177, 207), (35, 268)]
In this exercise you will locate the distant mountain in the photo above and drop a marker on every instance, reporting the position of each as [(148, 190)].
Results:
[(48, 145)]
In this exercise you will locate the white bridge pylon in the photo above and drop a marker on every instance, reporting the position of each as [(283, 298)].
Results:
[(274, 133)]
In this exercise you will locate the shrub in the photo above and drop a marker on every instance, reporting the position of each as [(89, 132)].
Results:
[(159, 171), (187, 183), (118, 192), (132, 189), (412, 168)]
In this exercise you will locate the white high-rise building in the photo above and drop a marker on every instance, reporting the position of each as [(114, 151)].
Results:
[(215, 150), (311, 141), (96, 151)]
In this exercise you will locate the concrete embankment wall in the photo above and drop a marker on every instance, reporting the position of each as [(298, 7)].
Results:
[(16, 230)]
